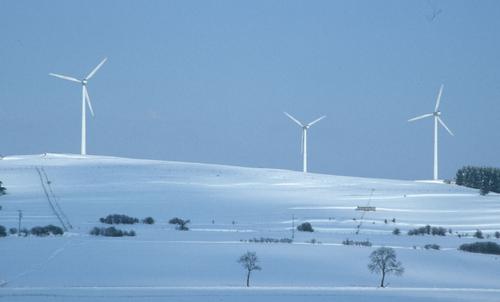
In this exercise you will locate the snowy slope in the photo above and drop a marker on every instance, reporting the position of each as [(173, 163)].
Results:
[(227, 205)]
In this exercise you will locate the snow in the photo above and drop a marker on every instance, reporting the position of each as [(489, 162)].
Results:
[(228, 206)]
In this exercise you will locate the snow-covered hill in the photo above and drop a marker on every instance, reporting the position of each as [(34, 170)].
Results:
[(227, 206)]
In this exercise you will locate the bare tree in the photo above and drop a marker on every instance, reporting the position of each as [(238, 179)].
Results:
[(383, 261), (249, 262)]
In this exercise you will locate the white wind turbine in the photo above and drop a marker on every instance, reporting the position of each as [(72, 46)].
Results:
[(85, 98), (437, 120), (304, 137)]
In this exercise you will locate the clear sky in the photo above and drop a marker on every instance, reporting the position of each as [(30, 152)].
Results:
[(207, 81)]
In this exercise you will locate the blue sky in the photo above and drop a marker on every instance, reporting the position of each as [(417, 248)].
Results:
[(207, 81)]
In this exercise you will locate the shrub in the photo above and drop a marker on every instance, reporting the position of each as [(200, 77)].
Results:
[(2, 189), (396, 231), (478, 234), (148, 220), (305, 227), (54, 230), (181, 223), (119, 219), (428, 230), (24, 232), (95, 231), (483, 191), (497, 234), (432, 246), (3, 231), (270, 240), (481, 247), (314, 241), (420, 231), (111, 232), (46, 230), (13, 231), (439, 231), (357, 243)]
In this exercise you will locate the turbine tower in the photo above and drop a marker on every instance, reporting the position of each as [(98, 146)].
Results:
[(304, 137), (85, 98), (437, 120)]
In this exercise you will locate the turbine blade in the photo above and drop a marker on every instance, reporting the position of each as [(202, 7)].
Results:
[(91, 74), (445, 127), (420, 117), (439, 98), (316, 120), (293, 119), (88, 101), (65, 77)]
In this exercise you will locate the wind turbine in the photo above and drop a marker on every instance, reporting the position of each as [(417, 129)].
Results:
[(437, 120), (85, 98), (304, 137)]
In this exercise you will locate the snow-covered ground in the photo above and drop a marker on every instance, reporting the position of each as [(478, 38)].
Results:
[(227, 206)]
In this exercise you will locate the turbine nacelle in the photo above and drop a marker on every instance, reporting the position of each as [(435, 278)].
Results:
[(437, 113)]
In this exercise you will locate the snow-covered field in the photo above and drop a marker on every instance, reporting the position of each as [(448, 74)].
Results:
[(228, 205)]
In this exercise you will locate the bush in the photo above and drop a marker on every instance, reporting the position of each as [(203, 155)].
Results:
[(3, 231), (46, 230), (305, 227), (357, 243), (12, 231), (270, 240), (439, 231), (314, 241), (483, 191), (111, 232), (2, 189), (481, 247), (181, 223), (148, 220), (428, 230), (396, 231), (432, 246), (479, 234), (497, 234), (119, 219)]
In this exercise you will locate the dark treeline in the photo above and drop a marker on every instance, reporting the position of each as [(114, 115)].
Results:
[(484, 178)]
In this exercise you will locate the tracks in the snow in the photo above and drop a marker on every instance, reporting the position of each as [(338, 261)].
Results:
[(52, 199)]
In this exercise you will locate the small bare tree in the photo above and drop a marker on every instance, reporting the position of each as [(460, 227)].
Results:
[(249, 262), (383, 261)]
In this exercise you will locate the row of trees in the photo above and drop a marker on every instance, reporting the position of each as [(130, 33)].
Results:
[(486, 179), (383, 261)]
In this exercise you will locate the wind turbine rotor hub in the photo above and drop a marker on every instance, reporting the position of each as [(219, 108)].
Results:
[(437, 113), (84, 82)]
